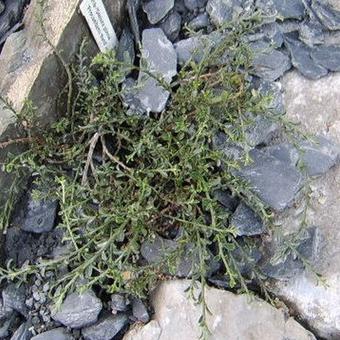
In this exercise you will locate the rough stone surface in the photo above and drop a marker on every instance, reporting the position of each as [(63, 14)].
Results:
[(228, 201), (328, 12), (140, 311), (119, 303), (106, 328), (327, 57), (2, 6), (171, 26), (126, 47), (54, 334), (193, 5), (289, 9), (22, 333), (78, 310), (222, 11), (13, 297), (160, 59), (176, 313), (156, 10), (201, 21), (29, 69), (316, 106), (302, 60), (247, 222), (285, 152), (274, 181)]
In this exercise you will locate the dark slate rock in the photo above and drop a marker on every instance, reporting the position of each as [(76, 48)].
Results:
[(180, 8), (228, 148), (160, 57), (272, 89), (199, 22), (130, 97), (171, 25), (268, 63), (5, 327), (132, 8), (285, 152), (223, 11), (193, 5), (23, 333), (302, 60), (319, 156), (260, 130), (106, 328), (156, 10), (289, 9), (247, 222), (311, 33), (275, 182), (228, 201), (119, 303), (2, 7), (327, 14), (14, 297), (327, 57), (78, 310), (139, 311), (154, 251), (126, 47), (309, 247), (54, 334)]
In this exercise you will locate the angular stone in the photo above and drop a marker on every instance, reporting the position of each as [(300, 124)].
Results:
[(228, 201), (119, 303), (229, 149), (247, 222), (176, 313), (156, 10), (285, 152), (139, 311), (328, 12), (14, 297), (275, 182), (54, 334), (193, 5), (132, 8), (159, 57), (319, 156), (36, 216), (268, 63), (2, 6), (23, 332), (289, 9), (171, 26), (223, 11), (327, 57), (150, 331), (302, 60), (126, 47), (78, 310), (311, 33), (201, 21), (106, 328)]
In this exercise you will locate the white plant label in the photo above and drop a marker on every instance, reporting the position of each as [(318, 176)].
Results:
[(100, 25)]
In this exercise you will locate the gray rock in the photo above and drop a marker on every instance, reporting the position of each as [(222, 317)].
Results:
[(327, 57), (268, 63), (139, 311), (54, 334), (14, 297), (272, 89), (171, 26), (156, 10), (231, 150), (5, 327), (247, 222), (285, 152), (289, 9), (23, 333), (327, 13), (2, 6), (106, 328), (132, 8), (158, 249), (319, 156), (311, 33), (159, 57), (260, 130), (193, 5), (223, 11), (302, 60), (199, 22), (78, 310), (126, 47), (38, 216), (228, 201), (119, 303), (275, 182)]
